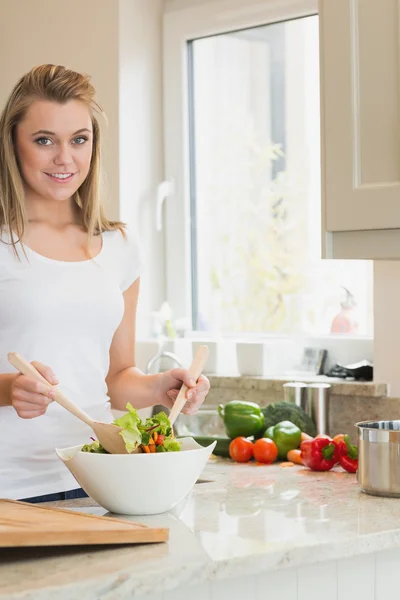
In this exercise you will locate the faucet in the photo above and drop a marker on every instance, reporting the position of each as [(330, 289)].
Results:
[(163, 354)]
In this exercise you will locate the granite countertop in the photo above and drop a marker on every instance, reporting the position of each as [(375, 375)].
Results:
[(240, 520)]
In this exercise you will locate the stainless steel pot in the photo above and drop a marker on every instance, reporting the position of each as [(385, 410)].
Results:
[(379, 457), (313, 398), (318, 405)]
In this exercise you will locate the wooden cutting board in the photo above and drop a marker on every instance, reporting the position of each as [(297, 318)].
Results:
[(23, 524)]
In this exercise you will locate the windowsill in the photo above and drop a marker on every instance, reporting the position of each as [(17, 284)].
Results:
[(340, 387), (281, 357)]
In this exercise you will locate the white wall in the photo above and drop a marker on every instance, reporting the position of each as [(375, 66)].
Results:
[(119, 44), (140, 141), (79, 35)]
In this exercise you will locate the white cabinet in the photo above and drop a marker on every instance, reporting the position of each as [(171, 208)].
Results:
[(360, 105)]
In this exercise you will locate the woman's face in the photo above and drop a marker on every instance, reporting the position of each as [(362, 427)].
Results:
[(54, 148)]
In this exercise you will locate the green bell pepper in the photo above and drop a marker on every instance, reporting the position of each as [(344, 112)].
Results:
[(241, 418), (286, 437)]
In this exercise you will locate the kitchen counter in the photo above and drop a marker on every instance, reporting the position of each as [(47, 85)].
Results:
[(240, 523)]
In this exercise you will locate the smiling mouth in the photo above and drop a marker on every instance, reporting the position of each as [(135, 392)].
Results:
[(60, 177)]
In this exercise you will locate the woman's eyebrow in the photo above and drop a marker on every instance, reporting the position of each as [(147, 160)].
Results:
[(46, 132)]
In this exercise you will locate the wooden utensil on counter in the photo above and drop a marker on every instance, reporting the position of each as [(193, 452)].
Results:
[(195, 370), (107, 434), (23, 524)]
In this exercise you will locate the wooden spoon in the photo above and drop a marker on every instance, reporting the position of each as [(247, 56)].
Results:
[(107, 434), (195, 370)]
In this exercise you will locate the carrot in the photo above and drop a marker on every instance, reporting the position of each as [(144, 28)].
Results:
[(305, 436), (146, 449), (152, 448), (284, 465), (295, 457), (155, 436)]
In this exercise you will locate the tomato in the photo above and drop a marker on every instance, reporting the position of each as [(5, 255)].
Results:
[(241, 449), (265, 451)]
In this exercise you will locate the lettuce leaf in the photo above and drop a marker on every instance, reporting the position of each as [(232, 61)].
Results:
[(130, 430), (132, 439), (129, 420), (94, 448)]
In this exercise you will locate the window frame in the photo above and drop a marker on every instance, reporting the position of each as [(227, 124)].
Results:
[(179, 28)]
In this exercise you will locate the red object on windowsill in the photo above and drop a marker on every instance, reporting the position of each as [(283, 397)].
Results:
[(345, 321)]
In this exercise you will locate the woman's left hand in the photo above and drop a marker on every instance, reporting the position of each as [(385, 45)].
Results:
[(171, 382)]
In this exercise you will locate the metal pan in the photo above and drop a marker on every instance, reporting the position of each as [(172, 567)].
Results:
[(379, 457)]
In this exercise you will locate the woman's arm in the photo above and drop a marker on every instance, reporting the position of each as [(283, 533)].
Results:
[(126, 383)]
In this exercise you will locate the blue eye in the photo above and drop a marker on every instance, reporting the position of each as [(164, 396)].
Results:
[(43, 141), (80, 140)]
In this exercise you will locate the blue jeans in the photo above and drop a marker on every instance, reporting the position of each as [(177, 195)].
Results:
[(71, 495)]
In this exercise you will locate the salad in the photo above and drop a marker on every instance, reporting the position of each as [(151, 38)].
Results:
[(153, 435)]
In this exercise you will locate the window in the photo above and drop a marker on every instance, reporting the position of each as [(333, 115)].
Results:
[(252, 194)]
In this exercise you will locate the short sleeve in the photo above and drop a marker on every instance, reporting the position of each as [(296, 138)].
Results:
[(131, 259)]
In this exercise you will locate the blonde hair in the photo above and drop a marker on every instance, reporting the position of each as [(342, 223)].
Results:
[(58, 84)]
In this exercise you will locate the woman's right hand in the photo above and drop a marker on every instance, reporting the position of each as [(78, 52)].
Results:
[(29, 397)]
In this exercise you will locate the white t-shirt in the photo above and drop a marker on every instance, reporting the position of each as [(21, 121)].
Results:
[(63, 314)]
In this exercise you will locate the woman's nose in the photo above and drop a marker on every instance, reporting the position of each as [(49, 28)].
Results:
[(63, 155)]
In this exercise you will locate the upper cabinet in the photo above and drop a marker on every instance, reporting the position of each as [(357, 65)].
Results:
[(360, 128)]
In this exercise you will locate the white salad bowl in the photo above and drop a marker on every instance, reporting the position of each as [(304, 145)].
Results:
[(138, 484)]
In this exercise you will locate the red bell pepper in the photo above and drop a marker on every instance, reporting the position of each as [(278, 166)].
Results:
[(319, 454), (348, 455)]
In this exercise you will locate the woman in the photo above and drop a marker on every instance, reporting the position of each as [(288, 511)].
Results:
[(69, 285)]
